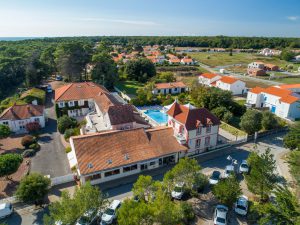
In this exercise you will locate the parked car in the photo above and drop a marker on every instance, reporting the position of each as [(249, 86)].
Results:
[(6, 209), (229, 170), (58, 78), (241, 205), (215, 177), (90, 217), (178, 191), (244, 167), (49, 89), (110, 213), (220, 215)]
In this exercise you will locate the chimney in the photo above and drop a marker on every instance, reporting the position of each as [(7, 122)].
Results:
[(28, 109)]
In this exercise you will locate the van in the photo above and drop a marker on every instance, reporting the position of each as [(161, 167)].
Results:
[(6, 209), (110, 214)]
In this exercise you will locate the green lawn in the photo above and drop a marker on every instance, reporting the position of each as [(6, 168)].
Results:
[(289, 80), (232, 130), (222, 59), (130, 87)]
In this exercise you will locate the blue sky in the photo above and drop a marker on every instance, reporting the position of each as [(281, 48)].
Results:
[(30, 18)]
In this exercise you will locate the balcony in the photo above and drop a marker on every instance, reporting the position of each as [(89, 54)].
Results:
[(180, 138)]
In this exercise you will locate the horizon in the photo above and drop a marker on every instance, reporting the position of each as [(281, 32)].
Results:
[(54, 18)]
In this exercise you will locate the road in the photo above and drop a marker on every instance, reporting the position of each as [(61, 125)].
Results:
[(51, 159), (218, 161)]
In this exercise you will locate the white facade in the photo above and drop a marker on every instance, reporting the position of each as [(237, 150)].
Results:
[(237, 88), (19, 126), (83, 107), (297, 58), (173, 90), (208, 81), (256, 65)]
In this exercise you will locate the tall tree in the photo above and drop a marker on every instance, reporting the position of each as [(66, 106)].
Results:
[(105, 70), (261, 178), (251, 121), (269, 120), (9, 164), (292, 139), (140, 70)]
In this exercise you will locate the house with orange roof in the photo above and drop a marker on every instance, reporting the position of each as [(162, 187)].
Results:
[(169, 88), (197, 128), (281, 100), (208, 78), (187, 61), (227, 83), (17, 117), (174, 60)]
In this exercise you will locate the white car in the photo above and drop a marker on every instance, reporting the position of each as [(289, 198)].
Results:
[(244, 167), (215, 177), (88, 218), (178, 191), (229, 170), (110, 213), (220, 215), (6, 209), (241, 205)]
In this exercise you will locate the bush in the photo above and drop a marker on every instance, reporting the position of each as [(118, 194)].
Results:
[(33, 127), (34, 94), (64, 123), (227, 117), (269, 121), (4, 131), (71, 132), (35, 146), (187, 211), (9, 163), (68, 149), (28, 140), (28, 153), (251, 121)]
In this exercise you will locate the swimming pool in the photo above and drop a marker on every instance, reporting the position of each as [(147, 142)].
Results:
[(157, 116)]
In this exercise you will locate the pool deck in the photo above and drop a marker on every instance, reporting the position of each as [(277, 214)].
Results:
[(154, 123)]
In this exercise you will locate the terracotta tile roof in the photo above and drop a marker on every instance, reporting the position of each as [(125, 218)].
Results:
[(191, 118), (170, 85), (21, 112), (208, 75), (270, 65), (186, 60), (174, 60), (77, 91), (113, 149), (277, 91), (289, 99), (256, 90), (289, 86), (120, 114), (105, 100), (228, 80)]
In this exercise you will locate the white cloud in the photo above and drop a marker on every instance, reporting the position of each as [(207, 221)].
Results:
[(293, 18), (134, 22)]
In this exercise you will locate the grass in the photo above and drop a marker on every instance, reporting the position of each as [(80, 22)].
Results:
[(289, 80), (232, 130), (129, 87), (222, 59), (34, 94), (241, 101)]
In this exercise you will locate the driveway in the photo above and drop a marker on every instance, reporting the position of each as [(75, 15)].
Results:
[(51, 159)]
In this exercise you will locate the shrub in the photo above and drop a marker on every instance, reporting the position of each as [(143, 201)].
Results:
[(251, 121), (187, 211), (33, 127), (4, 131), (68, 149), (35, 146), (269, 120), (9, 163), (64, 123), (227, 117), (71, 132), (28, 140), (34, 94), (28, 153)]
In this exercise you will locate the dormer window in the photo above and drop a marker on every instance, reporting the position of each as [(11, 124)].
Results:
[(208, 129), (199, 130)]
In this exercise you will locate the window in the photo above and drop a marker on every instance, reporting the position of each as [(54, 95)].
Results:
[(113, 172), (175, 89), (207, 141), (37, 120), (129, 168), (81, 102), (198, 130), (93, 177), (5, 123), (265, 98), (61, 104), (152, 163), (198, 143), (208, 129), (71, 103)]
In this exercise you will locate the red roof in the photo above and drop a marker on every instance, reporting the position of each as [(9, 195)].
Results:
[(78, 91), (208, 75), (170, 85), (192, 118), (289, 86), (174, 60), (186, 60), (289, 99), (277, 91), (22, 112), (257, 90), (228, 80)]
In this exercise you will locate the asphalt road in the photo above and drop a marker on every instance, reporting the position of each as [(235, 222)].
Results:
[(51, 159)]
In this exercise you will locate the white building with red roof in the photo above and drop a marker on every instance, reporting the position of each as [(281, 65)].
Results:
[(17, 117), (227, 83), (169, 88), (208, 78), (197, 128), (283, 100)]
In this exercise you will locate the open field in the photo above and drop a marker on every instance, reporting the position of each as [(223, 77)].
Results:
[(222, 59), (289, 80), (130, 87)]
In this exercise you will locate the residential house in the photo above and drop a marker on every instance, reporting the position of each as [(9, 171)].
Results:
[(169, 88), (18, 116), (208, 78), (195, 127), (283, 101), (256, 65), (236, 86), (111, 155), (174, 60), (187, 61), (271, 67), (256, 72)]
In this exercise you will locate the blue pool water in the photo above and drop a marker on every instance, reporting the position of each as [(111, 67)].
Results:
[(157, 115)]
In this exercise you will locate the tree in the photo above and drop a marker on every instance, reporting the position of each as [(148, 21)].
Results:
[(285, 210), (227, 191), (251, 121), (294, 164), (185, 171), (9, 164), (287, 55), (65, 122), (28, 140), (140, 70), (4, 131), (145, 187), (261, 178), (292, 139), (269, 120), (69, 209), (105, 70), (166, 77), (33, 188)]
